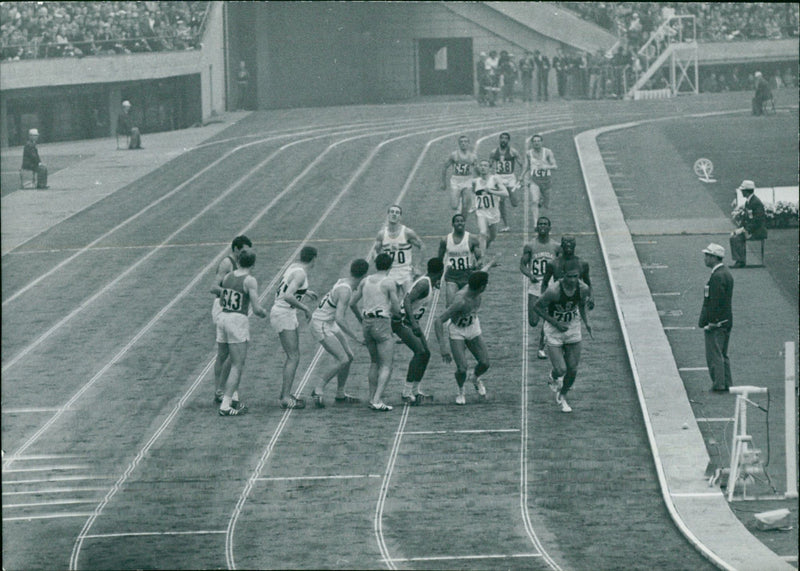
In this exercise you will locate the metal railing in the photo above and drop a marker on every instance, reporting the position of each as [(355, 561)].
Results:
[(677, 29)]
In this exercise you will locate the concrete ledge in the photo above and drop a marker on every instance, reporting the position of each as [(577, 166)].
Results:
[(701, 513)]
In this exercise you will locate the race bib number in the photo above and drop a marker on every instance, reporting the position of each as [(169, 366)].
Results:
[(460, 263), (541, 173), (484, 201), (462, 169), (465, 321), (504, 167), (564, 316), (231, 299), (538, 266), (398, 256)]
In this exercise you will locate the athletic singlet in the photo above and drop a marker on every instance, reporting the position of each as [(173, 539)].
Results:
[(539, 165), (326, 310), (233, 264), (420, 306), (542, 255), (466, 319), (399, 248), (486, 203), (565, 308), (504, 162), (375, 303), (234, 297), (463, 164), (458, 258), (284, 285)]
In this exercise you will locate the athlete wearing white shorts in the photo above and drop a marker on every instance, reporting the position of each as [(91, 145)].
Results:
[(398, 241), (463, 160), (537, 174), (488, 191)]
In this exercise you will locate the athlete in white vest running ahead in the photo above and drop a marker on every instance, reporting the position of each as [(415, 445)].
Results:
[(398, 241)]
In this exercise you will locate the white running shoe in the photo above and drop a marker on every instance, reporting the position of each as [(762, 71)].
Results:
[(541, 354), (480, 388), (461, 399), (562, 402)]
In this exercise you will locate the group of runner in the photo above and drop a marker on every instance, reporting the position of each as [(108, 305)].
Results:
[(390, 303)]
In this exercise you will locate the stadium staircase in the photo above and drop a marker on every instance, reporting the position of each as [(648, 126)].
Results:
[(675, 44)]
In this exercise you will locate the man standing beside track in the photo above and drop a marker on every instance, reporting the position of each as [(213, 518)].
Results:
[(397, 240), (560, 306), (238, 291), (536, 257), (460, 253), (328, 326), (716, 318), (407, 328), (229, 263), (464, 162), (379, 294), (283, 318)]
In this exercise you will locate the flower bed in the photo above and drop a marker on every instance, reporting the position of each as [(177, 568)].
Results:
[(779, 215)]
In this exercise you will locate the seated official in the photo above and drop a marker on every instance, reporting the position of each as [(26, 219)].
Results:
[(127, 128), (31, 161)]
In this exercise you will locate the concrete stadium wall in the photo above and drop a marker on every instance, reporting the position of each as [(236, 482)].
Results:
[(28, 79), (332, 53)]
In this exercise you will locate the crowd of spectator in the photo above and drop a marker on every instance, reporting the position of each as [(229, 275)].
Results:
[(715, 21), (31, 30)]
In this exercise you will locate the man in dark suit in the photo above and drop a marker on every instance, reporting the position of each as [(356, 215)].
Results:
[(716, 318), (754, 226), (542, 73)]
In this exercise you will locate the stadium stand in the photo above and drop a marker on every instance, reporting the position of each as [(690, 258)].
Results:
[(31, 30), (716, 21)]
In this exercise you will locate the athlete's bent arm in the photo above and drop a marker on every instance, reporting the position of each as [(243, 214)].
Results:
[(288, 296), (585, 293), (354, 302), (541, 309), (447, 164), (438, 328), (417, 292), (251, 285), (342, 298), (524, 263)]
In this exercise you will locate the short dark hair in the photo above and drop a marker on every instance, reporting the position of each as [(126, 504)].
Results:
[(383, 261), (435, 266), (505, 135), (453, 219), (568, 239), (400, 208), (544, 219), (247, 258), (240, 242), (536, 136), (477, 280), (307, 254), (359, 268)]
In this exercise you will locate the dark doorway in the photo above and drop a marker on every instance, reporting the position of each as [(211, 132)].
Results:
[(445, 66)]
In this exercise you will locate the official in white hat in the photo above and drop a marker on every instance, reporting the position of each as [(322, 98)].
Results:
[(31, 162), (716, 318), (754, 225)]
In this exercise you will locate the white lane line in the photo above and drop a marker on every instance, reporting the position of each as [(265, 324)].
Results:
[(29, 410), (153, 533), (693, 368), (338, 477), (714, 419), (654, 267), (53, 503), (54, 479), (387, 477), (53, 491), (716, 494), (523, 448), (665, 294), (183, 293), (46, 516), (466, 557), (642, 242), (44, 469), (487, 431), (679, 328), (50, 456)]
